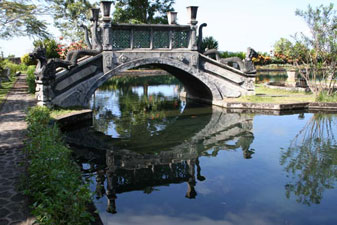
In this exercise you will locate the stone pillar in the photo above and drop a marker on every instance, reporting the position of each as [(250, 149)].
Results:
[(107, 39), (291, 80), (43, 93), (193, 45), (192, 13), (107, 34)]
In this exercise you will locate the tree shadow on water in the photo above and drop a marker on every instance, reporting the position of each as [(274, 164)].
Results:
[(311, 160)]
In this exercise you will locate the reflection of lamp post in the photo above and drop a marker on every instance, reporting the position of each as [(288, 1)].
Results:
[(192, 14), (106, 6), (94, 14), (172, 17)]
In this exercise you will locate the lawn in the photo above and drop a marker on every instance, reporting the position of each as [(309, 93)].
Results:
[(4, 89), (268, 95)]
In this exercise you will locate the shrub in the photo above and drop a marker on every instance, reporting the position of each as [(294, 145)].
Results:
[(31, 79), (54, 180), (209, 43), (64, 49), (227, 54), (50, 45), (13, 66), (27, 60), (323, 96)]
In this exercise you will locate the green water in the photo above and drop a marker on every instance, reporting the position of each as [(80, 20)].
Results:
[(154, 158)]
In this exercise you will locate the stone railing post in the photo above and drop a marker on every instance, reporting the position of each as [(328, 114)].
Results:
[(43, 93), (192, 12), (105, 7), (107, 44)]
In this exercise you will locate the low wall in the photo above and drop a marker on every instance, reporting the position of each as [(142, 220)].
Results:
[(74, 120)]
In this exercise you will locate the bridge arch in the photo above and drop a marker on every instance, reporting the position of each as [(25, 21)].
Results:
[(195, 85)]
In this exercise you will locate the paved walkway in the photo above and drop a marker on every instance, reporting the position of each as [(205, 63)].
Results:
[(13, 205)]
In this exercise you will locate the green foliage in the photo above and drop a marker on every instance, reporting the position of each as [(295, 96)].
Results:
[(315, 55), (125, 81), (13, 66), (19, 18), (142, 11), (27, 60), (209, 43), (283, 47), (227, 54), (323, 96), (31, 79), (50, 45), (54, 180)]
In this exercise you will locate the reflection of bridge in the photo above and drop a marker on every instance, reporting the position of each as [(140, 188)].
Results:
[(126, 170), (119, 47)]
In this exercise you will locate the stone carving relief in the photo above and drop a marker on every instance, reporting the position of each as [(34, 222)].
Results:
[(123, 58)]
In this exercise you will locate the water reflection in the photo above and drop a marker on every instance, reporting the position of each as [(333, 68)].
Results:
[(143, 164), (311, 160), (156, 159)]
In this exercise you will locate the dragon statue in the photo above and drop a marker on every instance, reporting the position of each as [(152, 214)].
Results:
[(95, 46), (46, 68), (246, 65)]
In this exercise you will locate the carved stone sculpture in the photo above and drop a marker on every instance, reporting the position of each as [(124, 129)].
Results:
[(95, 45), (200, 36), (246, 65), (46, 68)]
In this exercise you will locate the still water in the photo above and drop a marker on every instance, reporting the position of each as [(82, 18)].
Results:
[(156, 159)]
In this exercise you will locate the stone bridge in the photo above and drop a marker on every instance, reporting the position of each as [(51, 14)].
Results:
[(115, 48)]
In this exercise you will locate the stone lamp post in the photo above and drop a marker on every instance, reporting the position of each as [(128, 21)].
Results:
[(106, 6), (172, 17), (94, 13), (192, 14)]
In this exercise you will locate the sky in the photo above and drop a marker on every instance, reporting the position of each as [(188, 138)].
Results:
[(235, 24)]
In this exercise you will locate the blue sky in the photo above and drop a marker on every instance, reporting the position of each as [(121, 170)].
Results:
[(236, 24)]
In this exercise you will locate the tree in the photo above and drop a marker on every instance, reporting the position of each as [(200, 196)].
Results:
[(315, 55), (19, 18), (68, 15), (209, 43), (142, 11), (283, 46)]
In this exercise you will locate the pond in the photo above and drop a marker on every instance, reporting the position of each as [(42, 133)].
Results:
[(153, 158)]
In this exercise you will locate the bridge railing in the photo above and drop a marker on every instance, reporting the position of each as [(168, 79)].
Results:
[(150, 36)]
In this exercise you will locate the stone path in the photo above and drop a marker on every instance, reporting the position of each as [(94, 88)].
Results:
[(13, 205)]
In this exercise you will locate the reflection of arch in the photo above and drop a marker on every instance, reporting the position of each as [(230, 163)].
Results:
[(127, 170), (195, 84)]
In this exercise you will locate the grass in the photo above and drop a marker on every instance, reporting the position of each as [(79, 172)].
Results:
[(324, 97), (269, 95), (5, 88), (58, 112)]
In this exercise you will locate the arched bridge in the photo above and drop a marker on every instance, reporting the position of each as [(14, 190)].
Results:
[(119, 47)]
